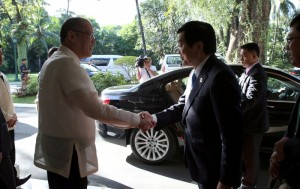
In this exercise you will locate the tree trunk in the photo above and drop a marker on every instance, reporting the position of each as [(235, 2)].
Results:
[(141, 27), (234, 35), (251, 27)]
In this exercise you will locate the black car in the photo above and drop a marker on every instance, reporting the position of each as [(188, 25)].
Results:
[(162, 91)]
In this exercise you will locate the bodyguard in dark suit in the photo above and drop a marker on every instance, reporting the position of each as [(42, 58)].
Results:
[(209, 109), (253, 83), (285, 161)]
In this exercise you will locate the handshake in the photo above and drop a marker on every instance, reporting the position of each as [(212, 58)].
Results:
[(147, 122)]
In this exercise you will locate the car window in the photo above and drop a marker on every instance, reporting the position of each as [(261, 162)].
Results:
[(280, 88), (176, 88), (174, 60), (100, 61)]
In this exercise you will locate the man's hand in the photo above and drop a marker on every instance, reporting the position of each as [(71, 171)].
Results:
[(147, 121), (274, 165), (278, 147), (12, 121), (223, 186)]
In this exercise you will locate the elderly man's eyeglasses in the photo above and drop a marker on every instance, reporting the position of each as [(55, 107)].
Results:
[(290, 39), (90, 35)]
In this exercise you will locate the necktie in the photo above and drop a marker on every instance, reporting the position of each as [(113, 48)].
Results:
[(194, 78)]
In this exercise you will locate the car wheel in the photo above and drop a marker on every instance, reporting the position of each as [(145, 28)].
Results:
[(153, 146), (102, 129)]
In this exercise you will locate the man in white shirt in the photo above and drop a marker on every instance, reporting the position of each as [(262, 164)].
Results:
[(68, 107), (10, 116)]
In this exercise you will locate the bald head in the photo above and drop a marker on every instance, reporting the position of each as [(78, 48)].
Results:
[(71, 24)]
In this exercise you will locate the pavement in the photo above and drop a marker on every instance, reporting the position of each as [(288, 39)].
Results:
[(14, 85)]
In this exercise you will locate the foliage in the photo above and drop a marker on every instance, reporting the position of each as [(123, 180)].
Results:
[(128, 34), (128, 63), (32, 86), (107, 79), (30, 89), (161, 20)]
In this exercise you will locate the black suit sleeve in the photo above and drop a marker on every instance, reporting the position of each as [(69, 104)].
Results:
[(170, 115)]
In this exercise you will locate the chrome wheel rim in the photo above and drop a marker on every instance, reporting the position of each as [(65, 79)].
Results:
[(152, 145)]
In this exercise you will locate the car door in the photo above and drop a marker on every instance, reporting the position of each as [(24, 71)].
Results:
[(282, 95), (283, 91)]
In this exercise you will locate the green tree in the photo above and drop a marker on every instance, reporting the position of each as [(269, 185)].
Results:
[(161, 19), (20, 15), (42, 23), (280, 12), (128, 63), (128, 38)]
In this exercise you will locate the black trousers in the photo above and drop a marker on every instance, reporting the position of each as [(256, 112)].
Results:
[(7, 177), (251, 159), (74, 181), (12, 152)]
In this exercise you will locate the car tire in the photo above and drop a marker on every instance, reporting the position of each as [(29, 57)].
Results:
[(153, 147), (102, 129)]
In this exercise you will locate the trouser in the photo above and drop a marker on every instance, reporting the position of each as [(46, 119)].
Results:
[(251, 160), (12, 152), (7, 177), (74, 181)]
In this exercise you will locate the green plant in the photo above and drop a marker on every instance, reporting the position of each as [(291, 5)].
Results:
[(32, 86), (107, 79), (30, 89)]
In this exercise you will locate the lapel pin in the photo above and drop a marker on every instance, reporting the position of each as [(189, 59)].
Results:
[(201, 80)]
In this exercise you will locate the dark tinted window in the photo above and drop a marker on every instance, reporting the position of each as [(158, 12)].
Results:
[(281, 88), (100, 61)]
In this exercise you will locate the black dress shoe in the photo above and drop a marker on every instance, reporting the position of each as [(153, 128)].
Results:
[(21, 181)]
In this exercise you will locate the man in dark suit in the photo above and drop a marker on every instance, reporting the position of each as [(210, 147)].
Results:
[(253, 83), (285, 161), (210, 111)]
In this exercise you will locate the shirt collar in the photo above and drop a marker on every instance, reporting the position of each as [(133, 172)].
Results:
[(200, 66), (69, 52), (249, 68)]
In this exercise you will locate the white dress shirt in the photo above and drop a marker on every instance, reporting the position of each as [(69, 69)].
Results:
[(197, 72)]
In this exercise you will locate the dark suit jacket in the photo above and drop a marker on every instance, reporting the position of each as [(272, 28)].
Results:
[(254, 100), (213, 125)]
